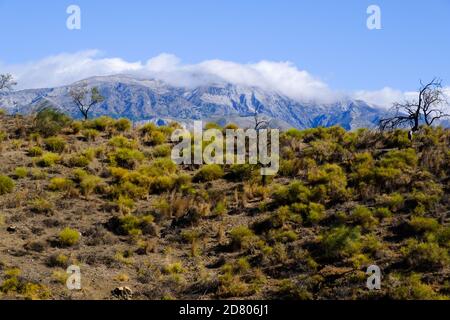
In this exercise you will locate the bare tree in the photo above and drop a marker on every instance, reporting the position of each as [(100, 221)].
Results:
[(86, 99), (7, 82), (427, 108)]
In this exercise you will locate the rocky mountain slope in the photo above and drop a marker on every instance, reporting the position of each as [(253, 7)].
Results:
[(153, 100)]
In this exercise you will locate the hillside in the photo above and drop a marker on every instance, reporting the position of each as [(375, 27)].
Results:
[(153, 100), (107, 198)]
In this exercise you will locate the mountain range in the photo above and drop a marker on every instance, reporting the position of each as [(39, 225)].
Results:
[(143, 100)]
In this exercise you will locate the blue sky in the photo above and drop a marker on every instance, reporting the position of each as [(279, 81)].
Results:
[(327, 38)]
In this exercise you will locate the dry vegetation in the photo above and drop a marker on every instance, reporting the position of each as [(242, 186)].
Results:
[(107, 197)]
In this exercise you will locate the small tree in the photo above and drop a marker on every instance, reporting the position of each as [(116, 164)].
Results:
[(426, 109), (85, 99), (7, 82)]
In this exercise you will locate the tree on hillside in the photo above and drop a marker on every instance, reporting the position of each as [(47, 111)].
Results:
[(86, 99), (7, 82), (428, 107)]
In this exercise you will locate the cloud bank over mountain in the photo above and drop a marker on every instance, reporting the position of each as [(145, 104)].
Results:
[(282, 77)]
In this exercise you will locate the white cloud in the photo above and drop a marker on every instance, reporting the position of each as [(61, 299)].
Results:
[(283, 77)]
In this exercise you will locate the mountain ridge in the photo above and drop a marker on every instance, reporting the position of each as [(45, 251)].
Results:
[(143, 100)]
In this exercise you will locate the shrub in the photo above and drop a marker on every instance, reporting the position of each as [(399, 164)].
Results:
[(122, 125), (394, 201), (122, 142), (159, 167), (69, 237), (425, 255), (296, 192), (422, 224), (316, 213), (60, 184), (412, 288), (162, 151), (363, 216), (155, 138), (41, 206), (38, 174), (126, 158), (174, 268), (90, 134), (330, 178), (240, 172), (100, 123), (209, 173), (35, 152), (48, 160), (6, 185), (242, 237), (89, 184), (133, 225), (21, 172), (341, 241), (50, 122), (78, 161), (55, 144)]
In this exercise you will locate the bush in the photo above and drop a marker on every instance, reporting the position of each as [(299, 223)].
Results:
[(60, 184), (122, 142), (35, 152), (78, 161), (240, 172), (341, 242), (41, 206), (296, 192), (21, 172), (412, 288), (363, 217), (55, 144), (159, 167), (425, 255), (242, 237), (69, 237), (133, 225), (155, 138), (89, 184), (6, 185), (209, 173), (90, 134), (422, 224), (162, 151), (122, 125), (48, 160), (50, 122), (126, 158), (100, 123)]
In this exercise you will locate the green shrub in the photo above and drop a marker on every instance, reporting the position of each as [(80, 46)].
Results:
[(21, 172), (155, 138), (242, 237), (78, 161), (6, 185), (41, 206), (209, 173), (69, 237), (50, 122), (122, 142), (422, 224), (35, 152), (240, 172), (89, 184), (48, 159), (100, 123), (126, 158), (133, 225), (364, 217), (411, 287), (425, 255), (159, 167), (60, 184), (55, 144), (296, 192), (162, 151), (122, 125), (341, 241), (90, 134)]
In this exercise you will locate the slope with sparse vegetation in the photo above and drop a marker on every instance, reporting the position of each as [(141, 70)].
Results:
[(107, 197)]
